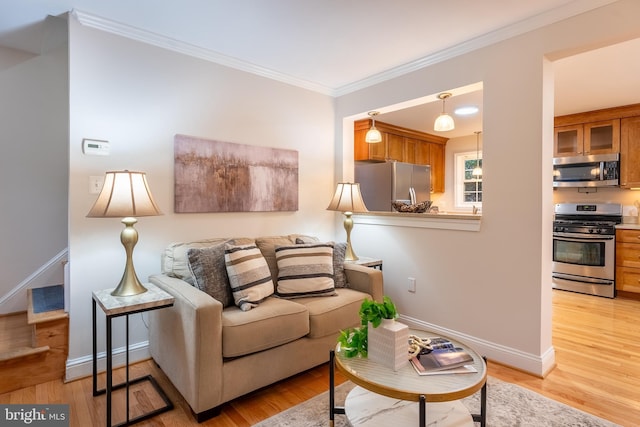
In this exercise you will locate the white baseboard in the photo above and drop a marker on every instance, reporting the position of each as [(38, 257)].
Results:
[(531, 363), (81, 367)]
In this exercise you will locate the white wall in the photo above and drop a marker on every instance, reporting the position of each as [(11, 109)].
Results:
[(34, 167), (138, 97), (491, 287)]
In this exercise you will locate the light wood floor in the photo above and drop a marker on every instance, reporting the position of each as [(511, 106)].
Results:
[(597, 344)]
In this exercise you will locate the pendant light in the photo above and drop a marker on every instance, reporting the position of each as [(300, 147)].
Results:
[(373, 134), (444, 122), (477, 171)]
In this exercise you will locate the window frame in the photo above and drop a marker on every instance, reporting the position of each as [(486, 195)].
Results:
[(459, 179)]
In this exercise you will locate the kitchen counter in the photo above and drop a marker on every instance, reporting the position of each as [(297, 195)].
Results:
[(447, 221), (628, 227)]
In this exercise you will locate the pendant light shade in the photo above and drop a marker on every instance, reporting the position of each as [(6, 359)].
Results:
[(477, 171), (373, 135), (444, 122)]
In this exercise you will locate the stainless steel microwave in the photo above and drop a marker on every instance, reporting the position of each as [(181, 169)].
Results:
[(599, 170)]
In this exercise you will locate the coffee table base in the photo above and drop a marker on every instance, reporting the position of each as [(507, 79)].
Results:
[(366, 408)]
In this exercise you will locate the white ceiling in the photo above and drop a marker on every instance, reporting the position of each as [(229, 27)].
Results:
[(337, 46)]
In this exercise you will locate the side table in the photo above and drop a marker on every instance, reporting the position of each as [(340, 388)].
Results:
[(367, 262), (153, 299)]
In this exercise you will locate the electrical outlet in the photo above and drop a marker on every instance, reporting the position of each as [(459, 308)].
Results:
[(95, 184), (411, 284)]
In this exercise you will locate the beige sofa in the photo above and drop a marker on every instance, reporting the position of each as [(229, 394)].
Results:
[(214, 354)]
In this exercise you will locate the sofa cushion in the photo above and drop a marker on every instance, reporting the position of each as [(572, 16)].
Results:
[(327, 316), (305, 270), (274, 322), (249, 275), (175, 261), (209, 271)]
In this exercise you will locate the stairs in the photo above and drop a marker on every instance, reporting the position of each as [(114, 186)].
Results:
[(34, 344)]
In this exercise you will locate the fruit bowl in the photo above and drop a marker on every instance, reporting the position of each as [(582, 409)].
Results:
[(401, 206)]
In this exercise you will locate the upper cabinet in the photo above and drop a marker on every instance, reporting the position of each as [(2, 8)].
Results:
[(630, 152), (402, 145), (610, 130), (601, 137)]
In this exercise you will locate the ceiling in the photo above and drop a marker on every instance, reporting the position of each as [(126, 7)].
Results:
[(338, 46)]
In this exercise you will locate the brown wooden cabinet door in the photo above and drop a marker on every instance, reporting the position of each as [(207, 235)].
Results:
[(360, 147), (630, 152), (602, 137), (410, 147), (422, 153), (436, 155), (568, 141), (395, 147)]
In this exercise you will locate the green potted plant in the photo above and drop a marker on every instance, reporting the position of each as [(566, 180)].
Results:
[(375, 312), (354, 341)]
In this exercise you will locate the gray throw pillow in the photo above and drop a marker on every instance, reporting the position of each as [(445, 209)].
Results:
[(209, 272), (339, 250)]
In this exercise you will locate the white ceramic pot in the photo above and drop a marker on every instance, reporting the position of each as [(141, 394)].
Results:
[(388, 344)]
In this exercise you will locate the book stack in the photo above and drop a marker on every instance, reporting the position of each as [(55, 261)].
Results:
[(443, 358)]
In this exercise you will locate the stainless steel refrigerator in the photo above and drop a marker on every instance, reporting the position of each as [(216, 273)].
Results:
[(383, 183)]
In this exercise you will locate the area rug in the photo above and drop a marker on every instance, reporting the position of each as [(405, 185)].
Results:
[(508, 405)]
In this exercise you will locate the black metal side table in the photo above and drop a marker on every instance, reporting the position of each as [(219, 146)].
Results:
[(112, 306)]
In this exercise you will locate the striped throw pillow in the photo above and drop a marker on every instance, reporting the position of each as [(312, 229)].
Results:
[(249, 275), (305, 270)]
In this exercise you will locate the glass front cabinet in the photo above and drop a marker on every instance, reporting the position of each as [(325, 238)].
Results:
[(589, 138)]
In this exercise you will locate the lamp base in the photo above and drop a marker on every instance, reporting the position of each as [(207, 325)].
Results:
[(349, 254), (129, 284), (127, 289)]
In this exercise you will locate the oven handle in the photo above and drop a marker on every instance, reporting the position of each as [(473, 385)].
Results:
[(583, 237), (573, 278)]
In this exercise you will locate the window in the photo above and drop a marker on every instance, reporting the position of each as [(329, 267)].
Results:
[(468, 188)]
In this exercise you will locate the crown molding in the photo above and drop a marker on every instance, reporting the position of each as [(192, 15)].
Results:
[(148, 37), (566, 11), (504, 33)]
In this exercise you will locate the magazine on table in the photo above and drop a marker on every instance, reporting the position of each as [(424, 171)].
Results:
[(464, 369), (444, 358)]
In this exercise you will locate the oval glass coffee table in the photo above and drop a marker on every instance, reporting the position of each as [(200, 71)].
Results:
[(384, 394)]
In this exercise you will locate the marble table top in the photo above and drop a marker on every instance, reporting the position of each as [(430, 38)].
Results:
[(154, 297)]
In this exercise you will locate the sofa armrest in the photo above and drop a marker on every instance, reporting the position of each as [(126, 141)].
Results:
[(365, 279), (186, 342)]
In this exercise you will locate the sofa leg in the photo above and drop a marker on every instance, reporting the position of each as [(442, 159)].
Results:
[(208, 414)]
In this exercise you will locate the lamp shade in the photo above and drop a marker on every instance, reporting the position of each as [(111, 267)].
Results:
[(373, 135), (347, 198), (443, 123), (124, 194)]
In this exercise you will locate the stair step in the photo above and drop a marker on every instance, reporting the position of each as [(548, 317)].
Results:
[(32, 353), (45, 304), (20, 352), (16, 333)]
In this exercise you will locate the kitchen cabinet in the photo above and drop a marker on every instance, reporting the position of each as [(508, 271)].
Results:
[(602, 137), (402, 145), (628, 260), (630, 152)]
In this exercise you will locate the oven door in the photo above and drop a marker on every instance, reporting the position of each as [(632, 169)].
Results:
[(584, 263)]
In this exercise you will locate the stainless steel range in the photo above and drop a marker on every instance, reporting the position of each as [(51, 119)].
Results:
[(584, 242)]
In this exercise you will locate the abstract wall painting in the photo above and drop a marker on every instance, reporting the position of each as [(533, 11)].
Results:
[(216, 176)]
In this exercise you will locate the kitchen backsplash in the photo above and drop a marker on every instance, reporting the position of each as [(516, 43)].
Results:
[(628, 198)]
